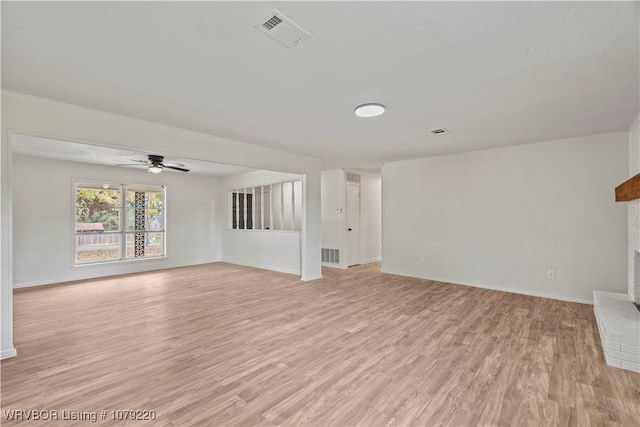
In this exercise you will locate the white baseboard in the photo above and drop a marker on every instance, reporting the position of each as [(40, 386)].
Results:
[(308, 279), (266, 267), (115, 274), (10, 352), (38, 283), (502, 289), (332, 265), (344, 267)]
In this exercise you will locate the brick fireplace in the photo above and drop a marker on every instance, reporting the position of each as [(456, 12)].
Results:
[(617, 314), (629, 191)]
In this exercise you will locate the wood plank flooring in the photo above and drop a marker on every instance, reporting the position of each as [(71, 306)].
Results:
[(224, 345)]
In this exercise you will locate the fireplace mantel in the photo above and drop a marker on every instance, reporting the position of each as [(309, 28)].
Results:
[(628, 190)]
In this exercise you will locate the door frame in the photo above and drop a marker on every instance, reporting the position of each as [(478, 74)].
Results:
[(351, 254)]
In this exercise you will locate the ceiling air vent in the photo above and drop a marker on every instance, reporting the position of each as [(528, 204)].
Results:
[(282, 29), (437, 131), (271, 23)]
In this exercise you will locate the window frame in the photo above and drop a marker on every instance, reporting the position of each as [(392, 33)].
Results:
[(295, 225), (123, 232)]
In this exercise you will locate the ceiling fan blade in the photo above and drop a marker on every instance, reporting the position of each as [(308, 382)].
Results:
[(146, 162), (174, 164), (176, 168), (131, 164)]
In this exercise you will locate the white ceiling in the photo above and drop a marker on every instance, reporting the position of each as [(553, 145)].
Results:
[(491, 73), (34, 146)]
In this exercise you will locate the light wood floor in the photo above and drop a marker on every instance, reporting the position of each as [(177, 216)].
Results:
[(225, 345)]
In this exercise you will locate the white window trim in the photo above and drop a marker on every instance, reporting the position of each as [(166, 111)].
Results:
[(123, 188)]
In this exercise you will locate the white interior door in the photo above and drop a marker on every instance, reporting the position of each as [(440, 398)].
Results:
[(353, 224)]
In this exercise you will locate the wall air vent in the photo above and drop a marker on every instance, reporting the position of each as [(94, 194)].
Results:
[(353, 177), (281, 29), (438, 131), (331, 256)]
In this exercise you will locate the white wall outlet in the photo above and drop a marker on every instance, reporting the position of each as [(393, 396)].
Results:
[(421, 260), (551, 274)]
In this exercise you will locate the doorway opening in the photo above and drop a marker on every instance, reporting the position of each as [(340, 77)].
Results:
[(351, 217), (353, 224)]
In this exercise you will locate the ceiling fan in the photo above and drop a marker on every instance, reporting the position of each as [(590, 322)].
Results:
[(156, 164)]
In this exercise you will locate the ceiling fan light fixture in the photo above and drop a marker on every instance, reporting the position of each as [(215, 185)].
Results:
[(369, 110), (155, 164)]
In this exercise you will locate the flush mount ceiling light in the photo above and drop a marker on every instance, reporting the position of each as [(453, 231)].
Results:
[(369, 110), (155, 169)]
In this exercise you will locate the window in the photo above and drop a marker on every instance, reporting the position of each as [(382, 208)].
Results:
[(115, 222), (267, 207)]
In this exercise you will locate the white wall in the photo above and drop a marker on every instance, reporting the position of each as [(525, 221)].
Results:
[(41, 117), (334, 217), (269, 249), (43, 220), (334, 227), (501, 218), (633, 208), (634, 147)]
